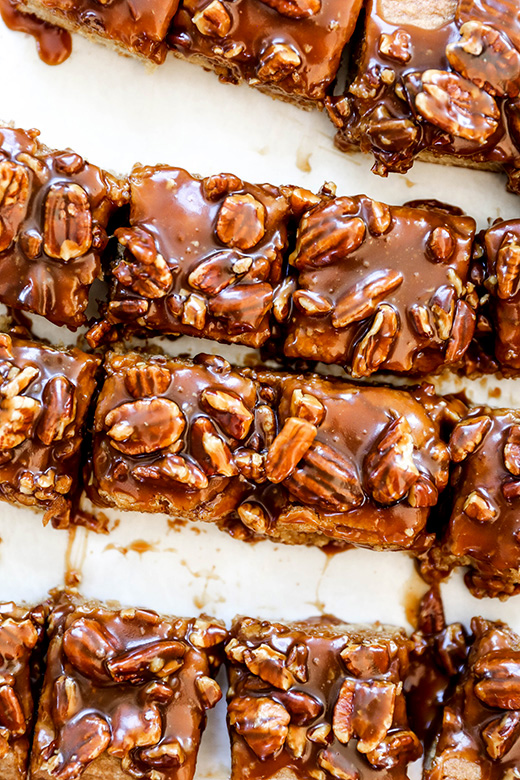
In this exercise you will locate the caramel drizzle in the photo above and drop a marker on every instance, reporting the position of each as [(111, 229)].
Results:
[(54, 45)]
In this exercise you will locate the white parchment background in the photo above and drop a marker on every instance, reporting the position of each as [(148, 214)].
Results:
[(115, 112)]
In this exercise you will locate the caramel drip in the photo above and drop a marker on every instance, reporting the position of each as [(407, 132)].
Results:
[(54, 44)]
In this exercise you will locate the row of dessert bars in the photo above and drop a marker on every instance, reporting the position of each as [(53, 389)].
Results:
[(439, 78), (295, 458), (118, 693), (346, 280)]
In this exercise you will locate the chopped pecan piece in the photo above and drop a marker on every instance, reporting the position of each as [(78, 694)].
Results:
[(59, 409), (327, 233), (396, 45), (508, 270), (241, 221), (295, 9), (364, 298), (17, 418), (467, 435), (14, 196), (173, 467), (143, 270), (278, 61), (307, 407), (376, 345), (512, 451), (269, 665), (479, 507), (364, 710), (231, 413), (143, 380), (213, 19)]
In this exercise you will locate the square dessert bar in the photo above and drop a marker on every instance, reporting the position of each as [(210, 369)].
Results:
[(356, 464), (318, 699), (125, 693), (382, 287), (136, 27), (21, 635), (200, 256), (54, 209), (172, 435), (502, 245), (440, 79), (45, 394), (289, 48), (480, 732), (484, 528)]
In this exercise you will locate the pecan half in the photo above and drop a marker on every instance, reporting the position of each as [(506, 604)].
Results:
[(253, 517), (142, 269), (216, 272), (158, 659), (461, 333), (326, 478), (134, 726), (282, 298), (87, 646), (14, 197), (457, 106), (376, 345), (194, 311), (59, 409), (17, 380), (81, 742), (173, 467), (328, 233), (441, 244), (17, 418), (467, 435), (501, 693), (215, 455), (501, 734), (311, 303), (214, 187), (366, 660), (486, 57), (66, 700), (508, 270), (390, 465), (68, 222), (209, 691), (442, 306), (288, 448), (363, 299), (146, 425), (214, 19), (297, 662), (11, 712), (230, 412), (295, 9), (241, 221), (262, 722), (147, 379), (335, 764), (420, 316), (364, 710)]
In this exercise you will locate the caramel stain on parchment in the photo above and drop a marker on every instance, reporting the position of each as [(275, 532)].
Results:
[(410, 183), (303, 161), (139, 546), (73, 569), (205, 597), (318, 602), (495, 392)]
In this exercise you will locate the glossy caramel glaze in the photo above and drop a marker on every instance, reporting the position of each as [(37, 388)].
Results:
[(45, 394), (54, 211), (125, 691), (357, 259), (334, 692), (21, 635), (137, 27), (200, 257), (480, 733), (381, 110), (502, 243), (290, 48), (484, 528), (53, 43)]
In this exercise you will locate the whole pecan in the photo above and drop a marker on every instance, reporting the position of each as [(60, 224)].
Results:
[(364, 709), (261, 721), (457, 106), (146, 425), (14, 197), (142, 269), (328, 233), (295, 9), (68, 222), (485, 56)]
